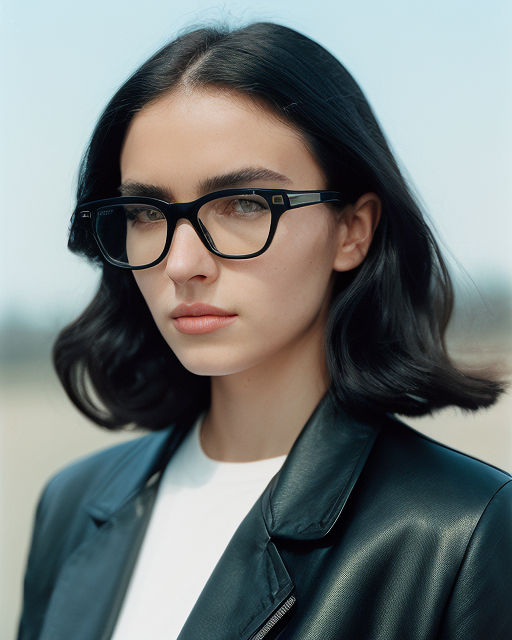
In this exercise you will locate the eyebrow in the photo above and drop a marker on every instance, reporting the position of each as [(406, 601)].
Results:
[(239, 178)]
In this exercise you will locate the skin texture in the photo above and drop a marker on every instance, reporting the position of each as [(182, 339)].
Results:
[(268, 367)]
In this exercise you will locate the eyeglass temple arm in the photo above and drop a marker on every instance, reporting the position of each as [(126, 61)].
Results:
[(302, 199)]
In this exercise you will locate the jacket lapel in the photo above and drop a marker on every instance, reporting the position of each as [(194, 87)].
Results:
[(250, 590), (92, 583)]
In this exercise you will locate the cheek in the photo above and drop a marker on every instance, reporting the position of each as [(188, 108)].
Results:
[(290, 285)]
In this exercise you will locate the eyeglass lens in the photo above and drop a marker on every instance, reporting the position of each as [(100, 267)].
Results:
[(135, 234)]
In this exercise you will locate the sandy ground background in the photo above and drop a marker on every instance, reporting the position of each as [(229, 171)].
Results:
[(42, 432)]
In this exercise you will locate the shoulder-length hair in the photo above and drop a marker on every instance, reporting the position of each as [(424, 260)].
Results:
[(385, 344)]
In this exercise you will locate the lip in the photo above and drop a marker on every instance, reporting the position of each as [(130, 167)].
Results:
[(198, 309), (201, 324), (200, 318)]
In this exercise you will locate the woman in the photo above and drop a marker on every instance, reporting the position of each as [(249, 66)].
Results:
[(270, 296)]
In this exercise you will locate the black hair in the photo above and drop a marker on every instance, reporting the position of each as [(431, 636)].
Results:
[(385, 336)]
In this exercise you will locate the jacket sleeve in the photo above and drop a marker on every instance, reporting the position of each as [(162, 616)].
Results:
[(35, 587), (480, 605), (56, 517)]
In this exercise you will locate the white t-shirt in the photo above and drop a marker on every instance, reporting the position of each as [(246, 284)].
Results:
[(199, 505)]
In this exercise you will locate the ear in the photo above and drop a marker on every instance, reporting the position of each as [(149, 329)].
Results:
[(356, 227)]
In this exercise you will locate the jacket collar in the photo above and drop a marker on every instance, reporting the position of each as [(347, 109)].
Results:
[(302, 501), (146, 459)]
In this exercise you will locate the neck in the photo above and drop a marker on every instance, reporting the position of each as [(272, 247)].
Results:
[(258, 414)]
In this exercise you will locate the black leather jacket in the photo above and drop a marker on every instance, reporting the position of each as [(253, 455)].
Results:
[(368, 531)]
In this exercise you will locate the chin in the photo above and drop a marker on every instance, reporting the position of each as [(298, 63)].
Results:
[(219, 362), (210, 368)]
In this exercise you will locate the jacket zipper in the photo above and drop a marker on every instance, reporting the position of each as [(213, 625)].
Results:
[(274, 619)]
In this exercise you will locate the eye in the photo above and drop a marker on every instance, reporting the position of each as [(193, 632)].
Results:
[(143, 215), (244, 205), (240, 207)]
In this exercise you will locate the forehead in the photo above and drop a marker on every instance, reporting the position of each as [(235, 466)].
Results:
[(186, 136)]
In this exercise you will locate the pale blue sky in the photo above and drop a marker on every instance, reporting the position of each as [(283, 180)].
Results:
[(437, 74)]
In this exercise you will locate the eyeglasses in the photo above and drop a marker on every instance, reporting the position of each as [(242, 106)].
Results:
[(135, 232)]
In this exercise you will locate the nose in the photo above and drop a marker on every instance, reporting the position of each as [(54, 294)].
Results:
[(188, 258)]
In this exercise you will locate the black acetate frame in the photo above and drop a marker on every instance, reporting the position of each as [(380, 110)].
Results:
[(278, 200)]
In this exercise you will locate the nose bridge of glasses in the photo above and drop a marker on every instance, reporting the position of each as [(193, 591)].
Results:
[(179, 214), (176, 211)]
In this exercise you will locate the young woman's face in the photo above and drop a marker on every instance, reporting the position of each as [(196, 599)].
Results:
[(278, 300)]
